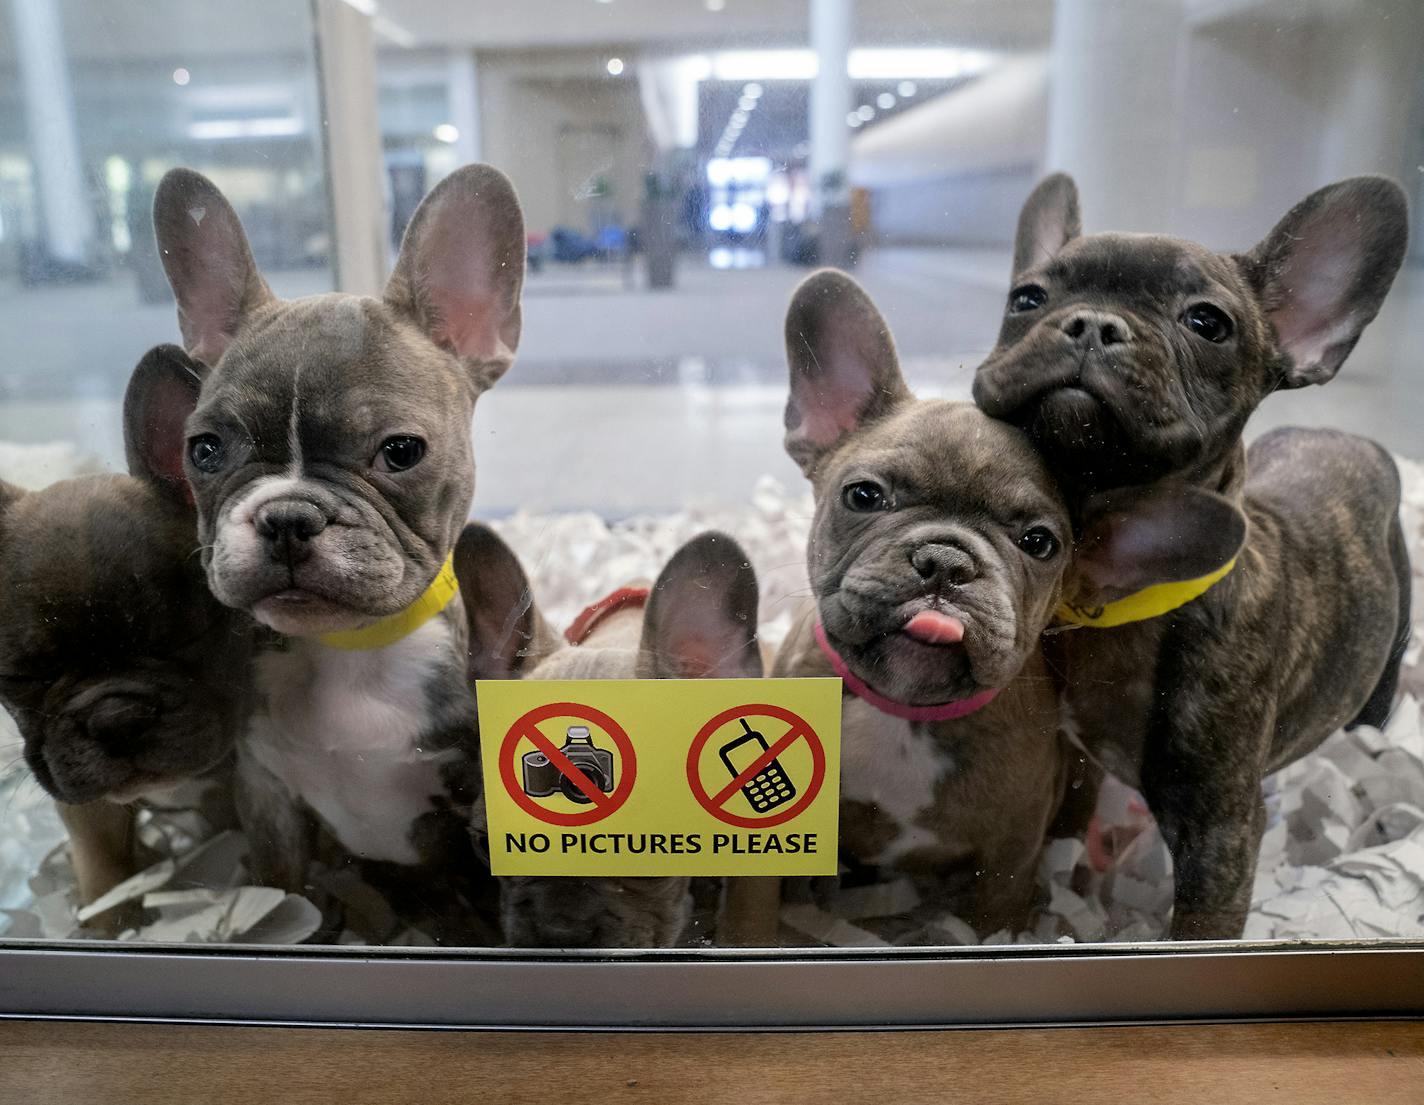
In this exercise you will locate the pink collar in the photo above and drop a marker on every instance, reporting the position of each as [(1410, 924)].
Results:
[(945, 711)]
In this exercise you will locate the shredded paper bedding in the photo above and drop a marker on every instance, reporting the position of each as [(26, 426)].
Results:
[(1342, 858)]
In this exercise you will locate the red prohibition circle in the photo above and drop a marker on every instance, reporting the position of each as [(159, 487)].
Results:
[(530, 722), (798, 725)]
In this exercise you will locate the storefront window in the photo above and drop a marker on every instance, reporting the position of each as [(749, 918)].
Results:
[(1070, 624)]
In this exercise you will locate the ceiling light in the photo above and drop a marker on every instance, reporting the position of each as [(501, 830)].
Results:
[(864, 64), (925, 64), (853, 119), (747, 65), (614, 67), (447, 132), (716, 5), (279, 126), (747, 103), (885, 101), (392, 32), (181, 76), (752, 90), (866, 113), (907, 89)]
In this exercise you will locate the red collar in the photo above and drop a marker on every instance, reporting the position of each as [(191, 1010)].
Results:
[(584, 625), (945, 711)]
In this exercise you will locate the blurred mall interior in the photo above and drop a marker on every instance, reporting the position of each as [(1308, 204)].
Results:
[(681, 164)]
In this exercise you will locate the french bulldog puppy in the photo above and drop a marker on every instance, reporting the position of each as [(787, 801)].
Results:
[(1134, 362), (936, 557), (330, 458), (700, 621), (123, 674)]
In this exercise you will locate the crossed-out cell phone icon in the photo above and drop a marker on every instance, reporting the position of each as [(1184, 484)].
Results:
[(768, 788)]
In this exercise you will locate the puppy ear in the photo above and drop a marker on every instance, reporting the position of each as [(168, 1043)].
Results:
[(162, 393), (208, 262), (508, 635), (1048, 222), (701, 620), (1138, 537), (844, 371), (1324, 270), (461, 269)]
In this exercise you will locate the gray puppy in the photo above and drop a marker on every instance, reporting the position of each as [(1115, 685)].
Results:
[(1134, 362), (330, 456), (700, 621), (124, 675), (936, 558)]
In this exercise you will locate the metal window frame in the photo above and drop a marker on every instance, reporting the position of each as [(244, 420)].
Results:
[(802, 989)]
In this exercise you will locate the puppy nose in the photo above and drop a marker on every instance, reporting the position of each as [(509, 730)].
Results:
[(1096, 328), (119, 722), (943, 565), (288, 528)]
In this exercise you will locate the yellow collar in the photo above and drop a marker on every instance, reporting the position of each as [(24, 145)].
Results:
[(1150, 602), (392, 628)]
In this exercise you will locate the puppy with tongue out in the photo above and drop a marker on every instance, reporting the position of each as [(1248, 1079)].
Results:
[(936, 560)]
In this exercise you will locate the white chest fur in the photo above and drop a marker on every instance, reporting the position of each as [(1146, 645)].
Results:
[(342, 730), (893, 765)]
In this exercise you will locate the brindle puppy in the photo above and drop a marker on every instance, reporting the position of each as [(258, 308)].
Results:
[(124, 675), (1134, 362), (936, 560)]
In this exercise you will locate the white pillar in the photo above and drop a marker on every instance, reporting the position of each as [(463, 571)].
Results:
[(668, 89), (354, 160), (831, 26), (65, 211), (1112, 107), (1378, 65), (463, 95)]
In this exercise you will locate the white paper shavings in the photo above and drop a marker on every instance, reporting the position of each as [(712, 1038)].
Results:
[(822, 927), (197, 898), (1343, 856), (575, 559)]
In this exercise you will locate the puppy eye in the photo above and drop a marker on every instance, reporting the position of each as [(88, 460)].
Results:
[(1027, 297), (1207, 322), (207, 452), (399, 453), (864, 497), (1039, 543)]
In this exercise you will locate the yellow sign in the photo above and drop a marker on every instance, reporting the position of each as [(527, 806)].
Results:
[(661, 776)]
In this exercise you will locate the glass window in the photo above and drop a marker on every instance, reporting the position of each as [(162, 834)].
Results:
[(952, 370)]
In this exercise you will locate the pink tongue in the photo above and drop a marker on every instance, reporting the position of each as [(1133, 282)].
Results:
[(934, 628)]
